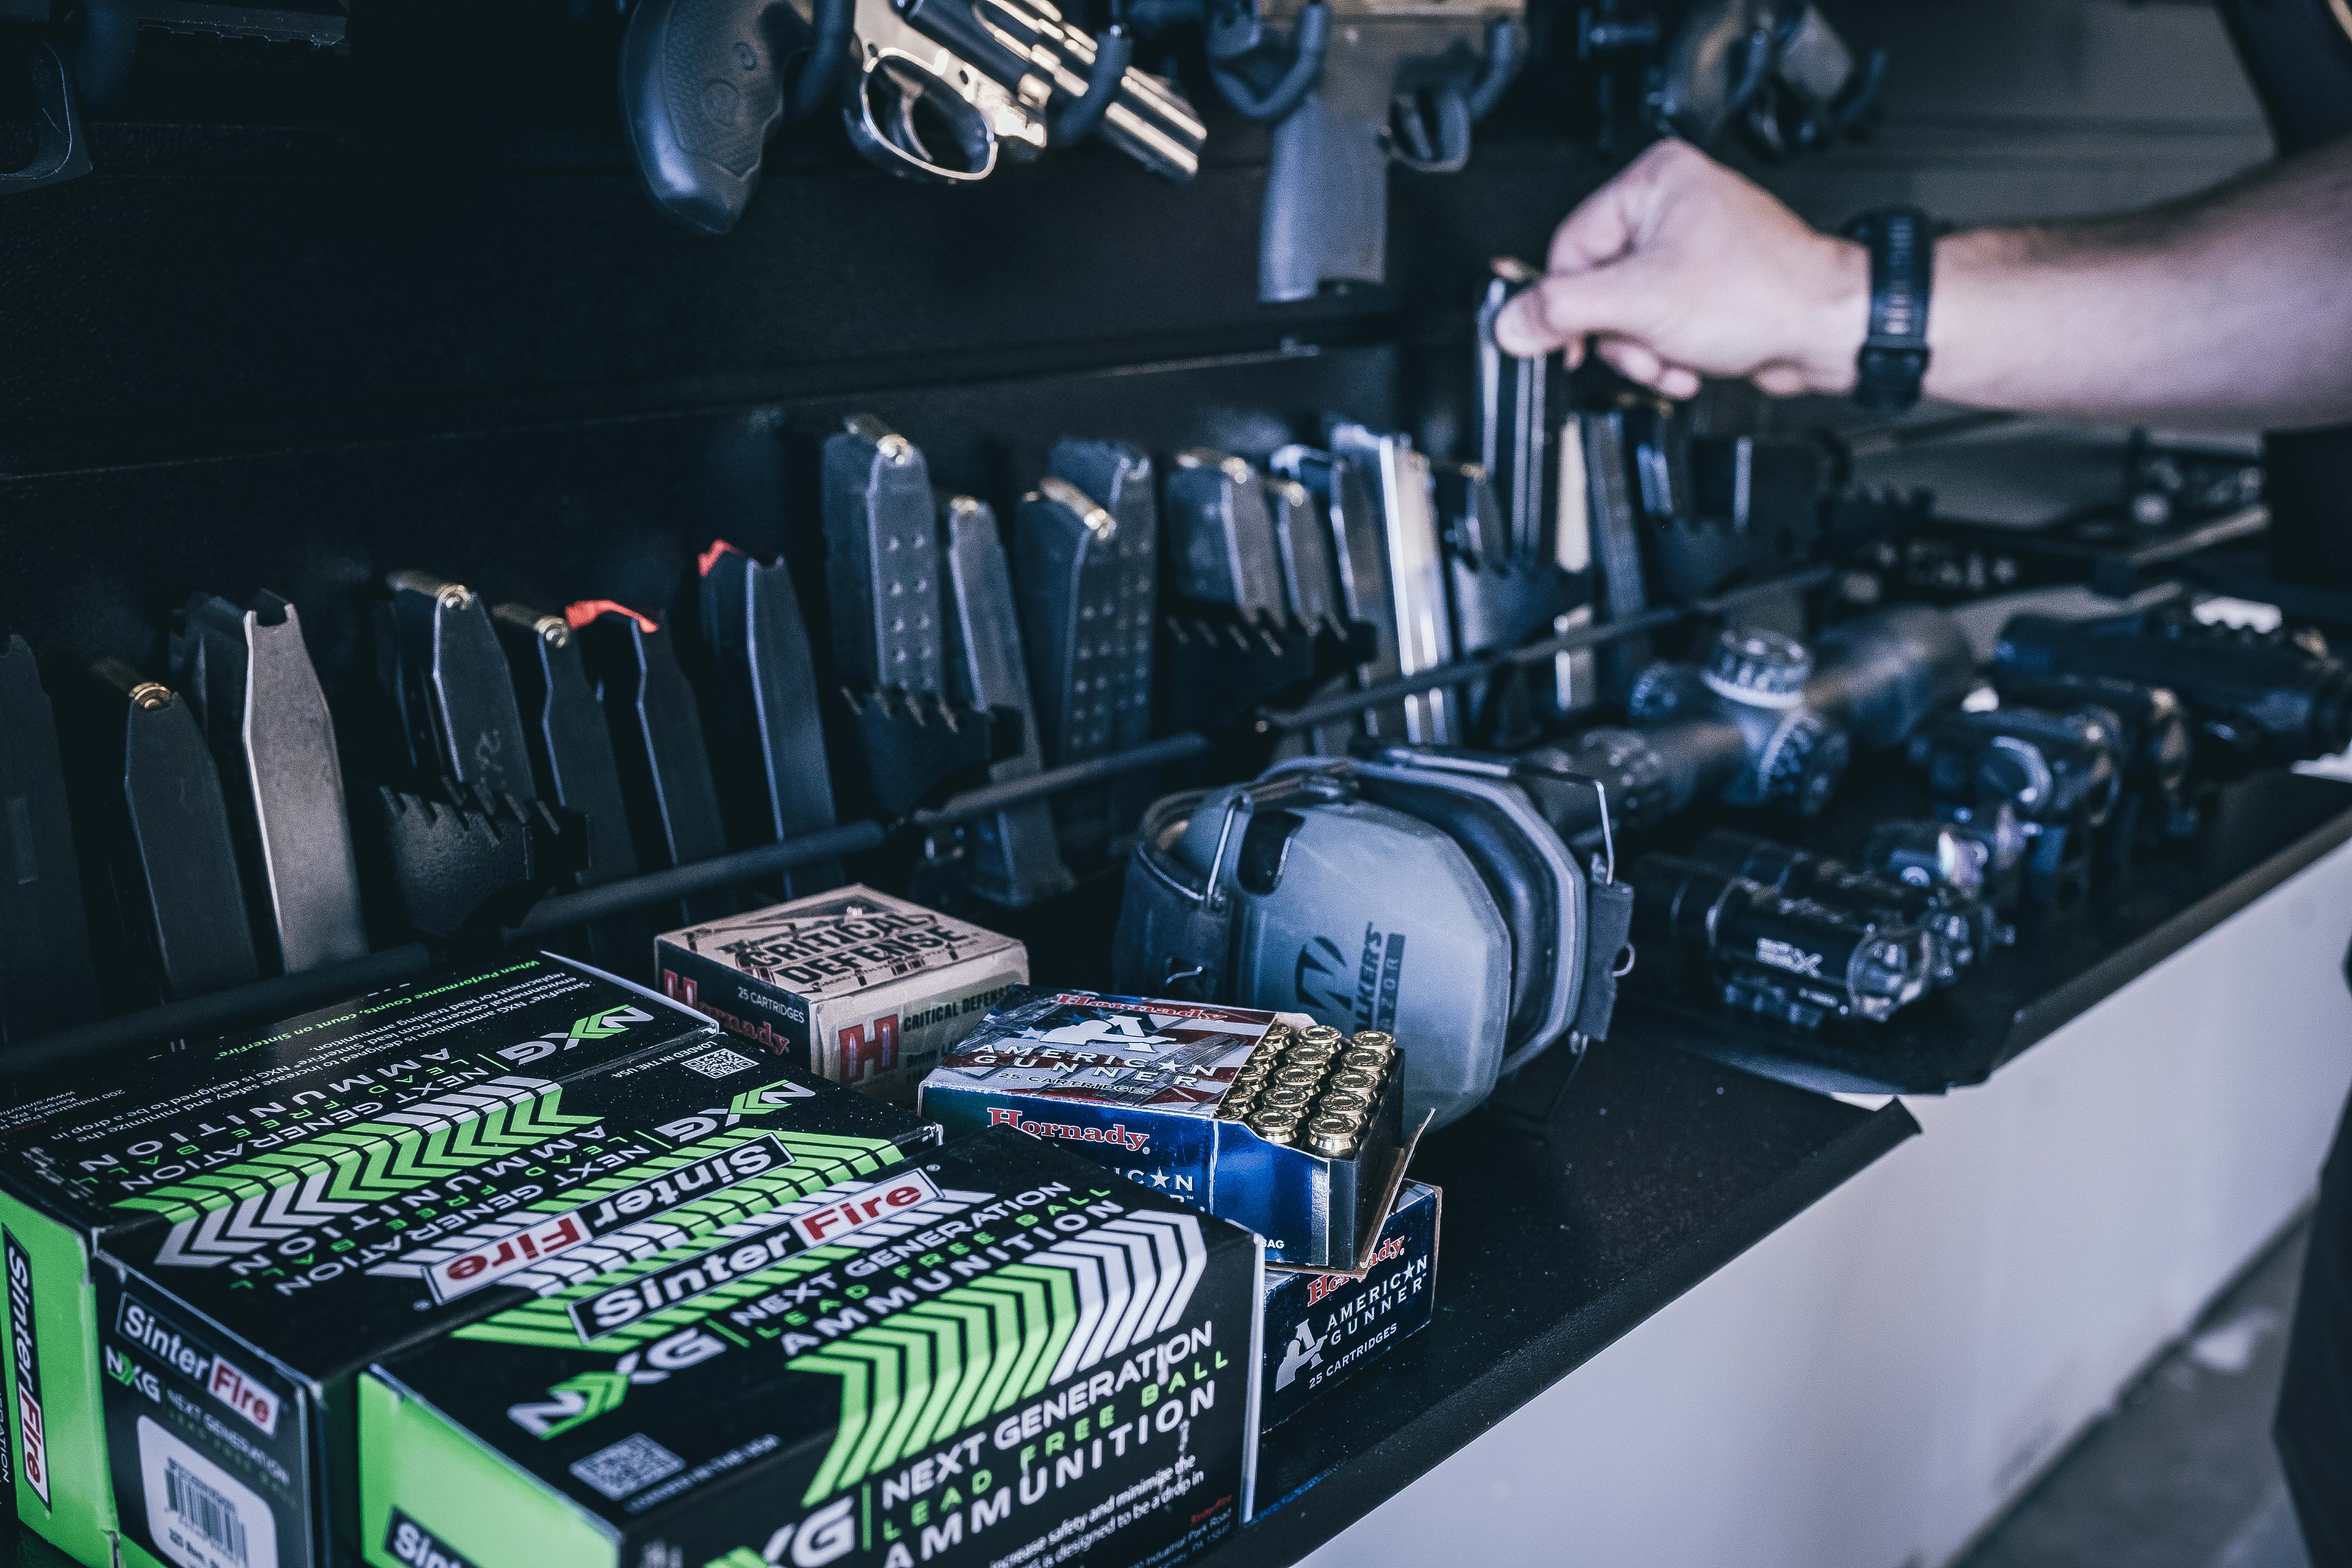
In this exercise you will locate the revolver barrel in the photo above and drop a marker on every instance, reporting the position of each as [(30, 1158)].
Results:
[(1148, 121)]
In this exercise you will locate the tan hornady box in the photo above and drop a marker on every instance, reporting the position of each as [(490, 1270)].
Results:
[(855, 985)]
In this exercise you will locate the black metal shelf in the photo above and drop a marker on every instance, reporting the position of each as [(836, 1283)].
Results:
[(972, 804), (566, 911), (559, 912), (1480, 667)]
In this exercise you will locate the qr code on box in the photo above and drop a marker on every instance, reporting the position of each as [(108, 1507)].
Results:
[(631, 1464), (720, 1063)]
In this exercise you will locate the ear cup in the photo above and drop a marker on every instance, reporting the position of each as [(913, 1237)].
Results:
[(1171, 942), (1524, 888), (1380, 920), (1534, 878), (1438, 906)]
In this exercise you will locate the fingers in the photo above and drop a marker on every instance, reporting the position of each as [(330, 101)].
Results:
[(1638, 362), (1567, 307), (1588, 287), (1519, 330), (1618, 274), (1609, 224), (1598, 231), (1631, 360)]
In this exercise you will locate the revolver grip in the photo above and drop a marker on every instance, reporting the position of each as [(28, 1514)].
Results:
[(1326, 203), (701, 90)]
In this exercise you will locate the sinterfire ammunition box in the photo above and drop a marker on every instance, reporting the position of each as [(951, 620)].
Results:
[(1136, 1084), (1323, 1329), (857, 986), (203, 1250), (998, 1353)]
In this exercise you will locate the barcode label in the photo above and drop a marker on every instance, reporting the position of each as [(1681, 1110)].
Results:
[(720, 1063), (635, 1462), (198, 1514), (211, 1515)]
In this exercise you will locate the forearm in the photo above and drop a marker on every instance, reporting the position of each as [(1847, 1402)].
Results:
[(2231, 309)]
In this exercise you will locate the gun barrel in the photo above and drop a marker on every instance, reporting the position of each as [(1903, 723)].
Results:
[(1147, 122)]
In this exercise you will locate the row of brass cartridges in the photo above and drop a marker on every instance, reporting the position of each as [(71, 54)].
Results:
[(1312, 1087)]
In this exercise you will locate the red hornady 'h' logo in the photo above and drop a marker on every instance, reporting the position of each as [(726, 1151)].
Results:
[(863, 1056)]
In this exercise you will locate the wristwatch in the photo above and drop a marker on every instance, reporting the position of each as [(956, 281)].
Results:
[(1893, 359)]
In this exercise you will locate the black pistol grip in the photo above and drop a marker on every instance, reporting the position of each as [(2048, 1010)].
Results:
[(1327, 197), (701, 90)]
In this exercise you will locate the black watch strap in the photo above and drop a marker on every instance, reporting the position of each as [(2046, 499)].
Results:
[(1892, 360)]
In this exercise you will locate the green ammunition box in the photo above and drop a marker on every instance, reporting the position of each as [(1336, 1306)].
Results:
[(998, 1353), (205, 1248)]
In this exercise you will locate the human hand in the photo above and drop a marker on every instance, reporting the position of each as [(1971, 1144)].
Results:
[(1679, 267)]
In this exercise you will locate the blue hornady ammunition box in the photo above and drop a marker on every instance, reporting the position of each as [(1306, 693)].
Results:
[(1136, 1084), (1323, 1329)]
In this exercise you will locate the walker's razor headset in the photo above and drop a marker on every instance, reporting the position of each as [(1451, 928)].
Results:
[(1415, 890)]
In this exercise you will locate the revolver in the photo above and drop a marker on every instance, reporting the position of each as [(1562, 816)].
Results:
[(1354, 86), (943, 85), (937, 88)]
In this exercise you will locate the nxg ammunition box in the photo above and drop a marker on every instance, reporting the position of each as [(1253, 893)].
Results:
[(1323, 1329), (1136, 1084), (855, 985), (996, 1354), (203, 1249)]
